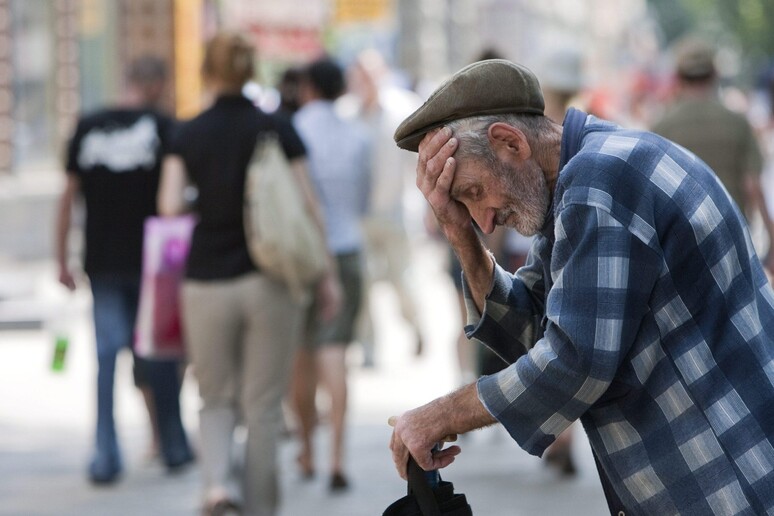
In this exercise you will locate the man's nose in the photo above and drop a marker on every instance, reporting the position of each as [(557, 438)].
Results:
[(485, 218)]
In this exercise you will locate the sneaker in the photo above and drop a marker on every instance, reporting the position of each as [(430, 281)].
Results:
[(180, 463), (339, 483), (104, 469)]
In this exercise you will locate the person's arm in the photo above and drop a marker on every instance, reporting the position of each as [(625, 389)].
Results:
[(63, 223), (171, 198), (329, 292), (758, 200), (435, 173), (752, 165), (522, 294), (418, 430)]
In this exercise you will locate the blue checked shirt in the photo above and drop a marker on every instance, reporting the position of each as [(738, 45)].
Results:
[(645, 313)]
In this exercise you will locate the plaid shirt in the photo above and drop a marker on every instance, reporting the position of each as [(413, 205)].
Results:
[(645, 313)]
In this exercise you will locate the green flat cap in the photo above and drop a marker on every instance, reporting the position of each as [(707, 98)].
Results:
[(488, 87)]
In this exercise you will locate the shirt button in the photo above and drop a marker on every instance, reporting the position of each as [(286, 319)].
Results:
[(621, 513)]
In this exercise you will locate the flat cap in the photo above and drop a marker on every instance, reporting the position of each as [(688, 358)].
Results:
[(490, 87)]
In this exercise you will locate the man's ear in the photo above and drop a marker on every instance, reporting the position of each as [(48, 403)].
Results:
[(509, 142)]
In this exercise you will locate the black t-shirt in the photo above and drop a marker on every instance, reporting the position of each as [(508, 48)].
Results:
[(216, 147), (116, 154)]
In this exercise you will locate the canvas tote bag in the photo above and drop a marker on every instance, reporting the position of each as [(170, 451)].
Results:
[(282, 236)]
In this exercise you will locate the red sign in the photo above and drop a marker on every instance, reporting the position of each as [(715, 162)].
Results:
[(286, 42)]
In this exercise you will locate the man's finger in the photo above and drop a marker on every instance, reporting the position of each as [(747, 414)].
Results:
[(446, 177), (434, 140), (438, 162), (443, 458)]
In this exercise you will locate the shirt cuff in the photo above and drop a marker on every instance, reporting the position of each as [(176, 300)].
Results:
[(498, 291), (490, 394)]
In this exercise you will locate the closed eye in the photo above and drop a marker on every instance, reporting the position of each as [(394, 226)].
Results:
[(466, 190), (472, 193)]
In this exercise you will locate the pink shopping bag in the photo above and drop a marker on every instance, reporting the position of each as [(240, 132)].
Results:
[(158, 331)]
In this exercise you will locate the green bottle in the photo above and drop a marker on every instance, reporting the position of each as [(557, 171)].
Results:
[(60, 352)]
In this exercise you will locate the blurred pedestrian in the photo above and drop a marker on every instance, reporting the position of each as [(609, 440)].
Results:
[(289, 89), (114, 162), (381, 106), (641, 311), (240, 325), (340, 167), (722, 138), (764, 125)]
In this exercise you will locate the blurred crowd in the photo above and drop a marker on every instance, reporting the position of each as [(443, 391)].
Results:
[(262, 369)]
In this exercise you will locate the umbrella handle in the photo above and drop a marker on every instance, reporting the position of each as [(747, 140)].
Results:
[(433, 476)]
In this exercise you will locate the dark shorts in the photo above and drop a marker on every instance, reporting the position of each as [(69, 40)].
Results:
[(140, 371), (341, 330)]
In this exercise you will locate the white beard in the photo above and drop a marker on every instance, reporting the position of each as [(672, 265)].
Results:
[(529, 197)]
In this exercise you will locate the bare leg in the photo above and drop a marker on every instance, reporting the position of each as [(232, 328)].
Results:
[(333, 376), (302, 393)]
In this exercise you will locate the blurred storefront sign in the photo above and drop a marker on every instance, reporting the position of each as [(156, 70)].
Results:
[(285, 32), (286, 43), (358, 11)]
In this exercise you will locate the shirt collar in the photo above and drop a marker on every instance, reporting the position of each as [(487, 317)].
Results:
[(572, 134)]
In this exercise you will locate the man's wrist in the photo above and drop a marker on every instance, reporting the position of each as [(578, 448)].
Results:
[(465, 411)]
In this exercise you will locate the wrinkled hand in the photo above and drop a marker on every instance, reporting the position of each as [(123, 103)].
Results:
[(330, 297), (416, 432), (435, 173)]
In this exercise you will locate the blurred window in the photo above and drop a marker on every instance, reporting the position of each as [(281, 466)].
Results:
[(33, 83)]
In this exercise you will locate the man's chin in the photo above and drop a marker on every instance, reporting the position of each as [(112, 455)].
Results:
[(526, 230)]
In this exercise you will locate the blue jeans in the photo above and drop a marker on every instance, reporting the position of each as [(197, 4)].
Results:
[(116, 298)]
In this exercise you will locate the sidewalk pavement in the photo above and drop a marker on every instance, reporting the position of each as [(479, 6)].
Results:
[(46, 421)]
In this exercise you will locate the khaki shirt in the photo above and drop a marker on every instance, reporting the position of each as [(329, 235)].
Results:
[(720, 137)]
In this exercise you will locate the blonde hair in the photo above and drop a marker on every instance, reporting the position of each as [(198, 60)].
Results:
[(228, 58)]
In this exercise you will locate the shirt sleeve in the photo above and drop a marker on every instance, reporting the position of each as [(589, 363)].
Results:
[(176, 143), (289, 138), (167, 126), (602, 280), (513, 311)]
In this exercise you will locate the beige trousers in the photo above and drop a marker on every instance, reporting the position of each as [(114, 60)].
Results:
[(388, 253), (241, 336), (388, 257)]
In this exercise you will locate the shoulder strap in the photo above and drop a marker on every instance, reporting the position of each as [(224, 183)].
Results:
[(420, 488)]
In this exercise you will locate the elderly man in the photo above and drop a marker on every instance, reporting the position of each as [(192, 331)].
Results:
[(642, 310)]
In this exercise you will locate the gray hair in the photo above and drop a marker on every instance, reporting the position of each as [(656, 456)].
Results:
[(473, 137)]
